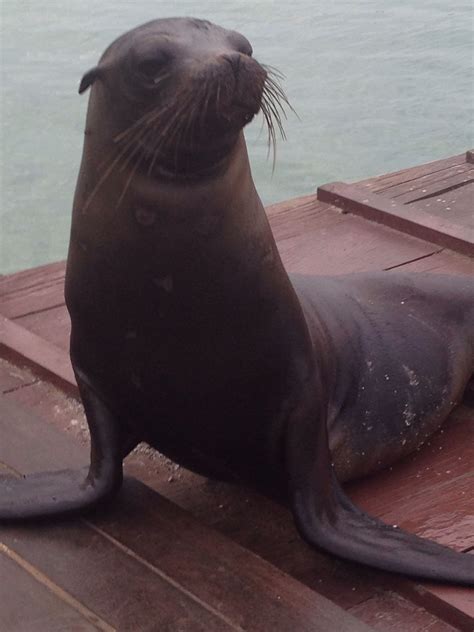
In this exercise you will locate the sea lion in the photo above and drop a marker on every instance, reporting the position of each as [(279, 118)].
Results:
[(188, 333)]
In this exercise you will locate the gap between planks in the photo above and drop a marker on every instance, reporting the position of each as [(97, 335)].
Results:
[(63, 595)]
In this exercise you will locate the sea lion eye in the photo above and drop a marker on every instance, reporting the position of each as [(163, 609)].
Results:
[(151, 67)]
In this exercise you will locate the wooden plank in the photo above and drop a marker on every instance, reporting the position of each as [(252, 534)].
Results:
[(25, 279), (419, 182), (153, 548), (250, 581), (32, 290), (443, 514), (441, 262), (54, 325), (120, 589), (28, 605), (408, 174), (454, 605), (336, 243), (42, 356), (456, 205), (53, 406), (293, 218), (425, 188), (399, 615), (29, 445), (459, 600), (12, 378), (412, 220)]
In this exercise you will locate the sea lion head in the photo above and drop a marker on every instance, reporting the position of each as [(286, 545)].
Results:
[(178, 93)]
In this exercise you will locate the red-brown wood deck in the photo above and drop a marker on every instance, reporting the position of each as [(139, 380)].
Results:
[(178, 552)]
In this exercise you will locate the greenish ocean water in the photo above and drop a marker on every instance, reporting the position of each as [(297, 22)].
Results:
[(378, 85)]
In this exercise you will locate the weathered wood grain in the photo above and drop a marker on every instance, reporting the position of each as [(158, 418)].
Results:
[(409, 174), (30, 604), (412, 220), (45, 358)]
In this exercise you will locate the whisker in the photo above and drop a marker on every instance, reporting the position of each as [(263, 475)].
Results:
[(273, 109), (148, 127), (271, 132), (275, 72), (100, 182), (148, 115), (165, 136), (129, 181)]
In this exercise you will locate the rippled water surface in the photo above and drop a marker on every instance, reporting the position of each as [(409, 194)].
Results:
[(378, 85)]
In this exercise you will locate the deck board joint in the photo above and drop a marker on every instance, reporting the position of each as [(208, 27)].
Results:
[(164, 576), (400, 265), (63, 595)]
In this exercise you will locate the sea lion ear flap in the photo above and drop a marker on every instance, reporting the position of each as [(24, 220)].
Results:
[(89, 78)]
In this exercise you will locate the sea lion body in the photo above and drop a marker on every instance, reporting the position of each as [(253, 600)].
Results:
[(401, 352), (188, 333), (201, 357)]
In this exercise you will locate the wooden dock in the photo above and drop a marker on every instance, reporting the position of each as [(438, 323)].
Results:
[(177, 552)]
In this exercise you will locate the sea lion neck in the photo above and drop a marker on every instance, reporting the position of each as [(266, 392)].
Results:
[(214, 190), (142, 218)]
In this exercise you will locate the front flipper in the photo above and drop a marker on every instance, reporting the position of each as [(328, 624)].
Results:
[(327, 519), (69, 491)]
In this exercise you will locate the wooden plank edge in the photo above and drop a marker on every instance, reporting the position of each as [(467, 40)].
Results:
[(290, 205), (19, 345), (409, 220), (438, 600)]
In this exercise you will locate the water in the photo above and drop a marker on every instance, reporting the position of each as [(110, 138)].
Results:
[(377, 85)]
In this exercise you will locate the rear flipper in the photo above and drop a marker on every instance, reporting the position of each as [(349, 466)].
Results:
[(327, 519), (337, 526), (70, 491)]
